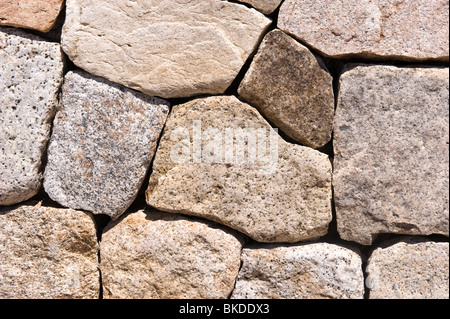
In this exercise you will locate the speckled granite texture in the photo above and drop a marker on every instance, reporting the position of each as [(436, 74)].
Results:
[(212, 149)]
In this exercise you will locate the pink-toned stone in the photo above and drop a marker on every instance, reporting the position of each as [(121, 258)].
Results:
[(47, 253), (152, 255), (409, 269), (391, 152), (394, 29), (30, 14)]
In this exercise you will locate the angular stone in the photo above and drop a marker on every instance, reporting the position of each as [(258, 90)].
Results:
[(151, 255), (409, 269), (47, 253), (38, 15), (397, 29), (223, 175), (104, 138), (166, 48), (391, 152), (265, 6), (311, 271), (287, 84), (31, 73)]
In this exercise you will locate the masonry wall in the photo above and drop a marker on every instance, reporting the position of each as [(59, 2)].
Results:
[(216, 149)]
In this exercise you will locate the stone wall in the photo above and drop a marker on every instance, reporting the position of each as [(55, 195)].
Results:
[(294, 149)]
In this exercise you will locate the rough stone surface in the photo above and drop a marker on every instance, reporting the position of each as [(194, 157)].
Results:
[(31, 73), (400, 29), (312, 271), (151, 255), (166, 48), (410, 269), (38, 15), (287, 84), (265, 6), (47, 253), (104, 138), (391, 152), (284, 199)]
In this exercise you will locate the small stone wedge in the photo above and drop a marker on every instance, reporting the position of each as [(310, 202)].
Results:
[(289, 86)]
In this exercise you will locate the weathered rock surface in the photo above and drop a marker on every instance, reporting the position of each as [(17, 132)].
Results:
[(410, 269), (287, 84), (31, 73), (104, 138), (400, 29), (47, 253), (151, 255), (391, 152), (167, 48), (265, 6), (38, 15), (223, 174), (312, 271)]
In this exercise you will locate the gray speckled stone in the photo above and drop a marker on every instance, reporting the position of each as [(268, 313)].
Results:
[(150, 255), (391, 152), (104, 138), (394, 29), (31, 73), (290, 88), (409, 269), (310, 271), (287, 199), (48, 253)]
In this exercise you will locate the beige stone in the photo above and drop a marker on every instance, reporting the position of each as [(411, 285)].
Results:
[(290, 88), (31, 74), (265, 6), (47, 253), (165, 48), (226, 177), (409, 269), (151, 255), (396, 29), (38, 15), (391, 152), (104, 138), (310, 271)]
